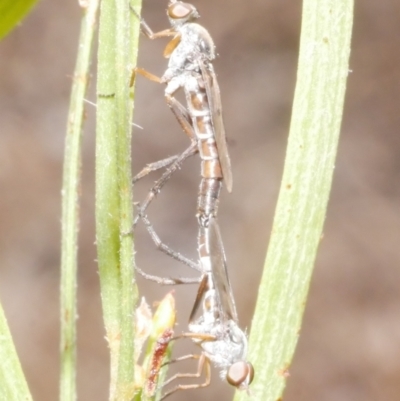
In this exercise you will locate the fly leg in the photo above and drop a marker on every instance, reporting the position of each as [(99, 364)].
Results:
[(167, 250), (167, 280), (180, 112), (144, 73), (173, 163), (154, 167), (146, 30), (203, 365), (182, 115), (175, 255), (141, 208), (192, 149), (156, 188)]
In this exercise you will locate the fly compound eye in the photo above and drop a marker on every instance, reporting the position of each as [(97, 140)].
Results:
[(240, 374), (180, 10)]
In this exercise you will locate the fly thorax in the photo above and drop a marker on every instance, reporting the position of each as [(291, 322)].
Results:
[(199, 37), (195, 43)]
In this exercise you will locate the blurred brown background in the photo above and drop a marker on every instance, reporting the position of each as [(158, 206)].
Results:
[(349, 348)]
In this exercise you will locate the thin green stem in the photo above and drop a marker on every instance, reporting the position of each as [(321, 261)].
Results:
[(70, 204), (301, 209)]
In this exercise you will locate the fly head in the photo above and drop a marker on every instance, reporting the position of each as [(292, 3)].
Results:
[(179, 13), (240, 375)]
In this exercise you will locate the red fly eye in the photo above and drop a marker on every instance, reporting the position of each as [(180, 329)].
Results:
[(240, 374), (180, 10)]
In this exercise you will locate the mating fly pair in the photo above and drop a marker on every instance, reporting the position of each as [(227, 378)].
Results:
[(215, 328)]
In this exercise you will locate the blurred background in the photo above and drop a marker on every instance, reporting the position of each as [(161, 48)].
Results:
[(349, 347)]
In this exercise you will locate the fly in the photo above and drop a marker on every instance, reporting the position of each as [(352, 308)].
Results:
[(215, 329), (190, 52)]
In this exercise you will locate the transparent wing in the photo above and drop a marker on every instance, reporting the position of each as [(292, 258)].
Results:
[(214, 99), (220, 272), (203, 287)]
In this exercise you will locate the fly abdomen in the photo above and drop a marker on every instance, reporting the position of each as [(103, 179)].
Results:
[(207, 203)]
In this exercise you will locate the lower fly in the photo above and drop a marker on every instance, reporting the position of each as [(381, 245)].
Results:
[(215, 327)]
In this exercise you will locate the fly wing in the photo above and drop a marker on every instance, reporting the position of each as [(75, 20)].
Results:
[(203, 287), (220, 272), (214, 100)]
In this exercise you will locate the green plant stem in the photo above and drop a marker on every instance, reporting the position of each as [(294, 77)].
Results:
[(13, 384), (117, 54), (300, 213), (70, 205)]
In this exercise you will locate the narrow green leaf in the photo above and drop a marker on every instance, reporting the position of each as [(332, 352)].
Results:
[(118, 36), (13, 386), (70, 204), (12, 12), (300, 213)]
